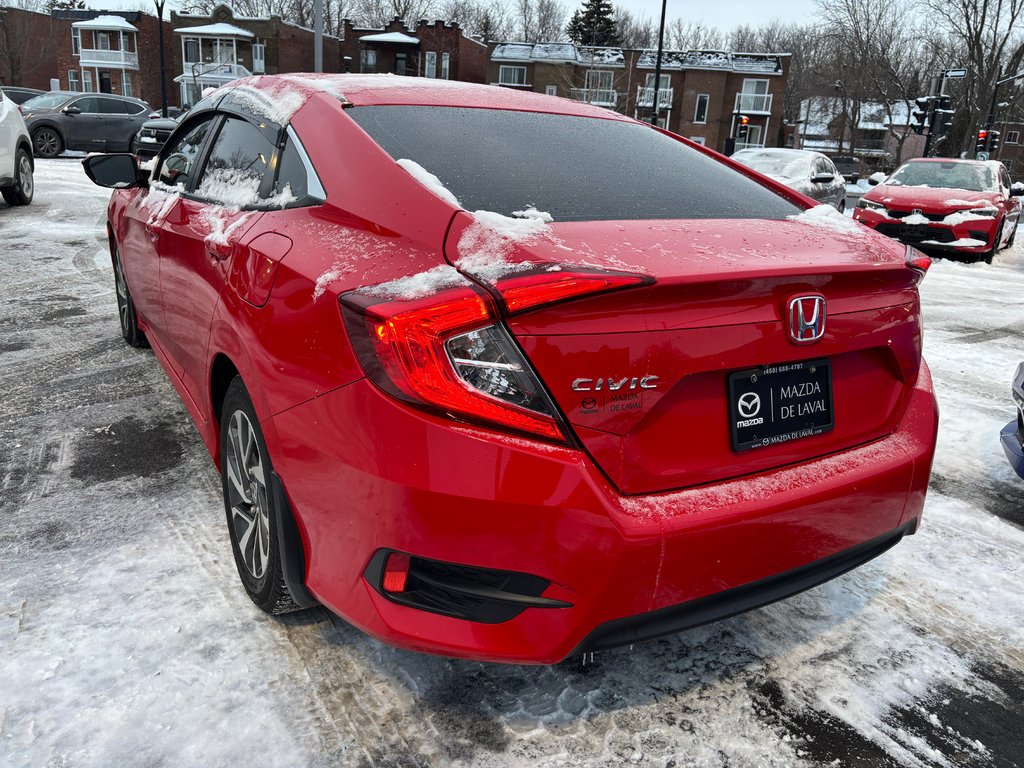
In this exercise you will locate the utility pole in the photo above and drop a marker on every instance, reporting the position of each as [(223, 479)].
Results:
[(318, 38), (163, 66), (657, 65)]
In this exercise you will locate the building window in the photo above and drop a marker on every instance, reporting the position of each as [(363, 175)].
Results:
[(663, 82), (401, 63), (86, 81), (76, 41), (446, 62), (599, 80), (511, 75), (551, 90), (367, 60), (697, 139), (700, 114), (73, 84), (126, 83), (259, 53), (192, 51), (102, 41), (430, 64), (1013, 137), (760, 87)]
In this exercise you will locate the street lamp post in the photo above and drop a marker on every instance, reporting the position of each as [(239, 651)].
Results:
[(657, 65), (163, 67)]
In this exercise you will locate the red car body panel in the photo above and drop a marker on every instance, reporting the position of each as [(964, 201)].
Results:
[(643, 508), (937, 203)]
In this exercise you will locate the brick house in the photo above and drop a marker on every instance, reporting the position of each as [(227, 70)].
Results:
[(28, 48), (700, 95), (210, 51), (1011, 148), (433, 49)]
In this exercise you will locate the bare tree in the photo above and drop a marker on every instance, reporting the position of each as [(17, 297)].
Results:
[(695, 35), (635, 31)]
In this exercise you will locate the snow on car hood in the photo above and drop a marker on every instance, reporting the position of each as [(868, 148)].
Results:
[(931, 199)]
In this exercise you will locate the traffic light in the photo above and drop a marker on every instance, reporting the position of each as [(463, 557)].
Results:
[(742, 125), (943, 116), (982, 142), (993, 142), (920, 115)]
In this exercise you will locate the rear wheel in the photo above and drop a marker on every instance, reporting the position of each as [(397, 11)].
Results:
[(47, 142), (130, 331), (20, 193), (249, 503)]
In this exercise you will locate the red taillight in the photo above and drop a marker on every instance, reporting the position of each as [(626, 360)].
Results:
[(529, 291), (448, 353), (918, 261), (396, 572)]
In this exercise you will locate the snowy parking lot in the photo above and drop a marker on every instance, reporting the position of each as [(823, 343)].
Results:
[(126, 638)]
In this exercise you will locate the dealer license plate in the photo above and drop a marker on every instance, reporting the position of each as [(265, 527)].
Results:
[(778, 403)]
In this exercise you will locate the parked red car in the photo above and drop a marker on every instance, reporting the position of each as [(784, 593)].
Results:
[(504, 376), (967, 208)]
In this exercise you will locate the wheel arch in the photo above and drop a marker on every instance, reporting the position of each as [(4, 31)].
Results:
[(25, 142), (222, 372), (49, 124)]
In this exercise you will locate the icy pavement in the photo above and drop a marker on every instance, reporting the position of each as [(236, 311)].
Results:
[(126, 639)]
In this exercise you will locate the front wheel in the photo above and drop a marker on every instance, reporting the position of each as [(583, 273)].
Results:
[(20, 193), (47, 143), (989, 255), (250, 505)]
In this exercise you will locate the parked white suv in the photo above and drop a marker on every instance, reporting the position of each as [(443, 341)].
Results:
[(16, 163)]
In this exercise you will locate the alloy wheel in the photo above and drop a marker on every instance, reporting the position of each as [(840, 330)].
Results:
[(122, 298), (247, 495), (47, 143), (25, 176)]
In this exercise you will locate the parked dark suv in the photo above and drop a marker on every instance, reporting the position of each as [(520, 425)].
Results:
[(88, 122), (21, 95), (849, 167)]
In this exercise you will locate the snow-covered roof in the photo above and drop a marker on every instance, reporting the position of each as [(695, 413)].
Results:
[(760, 63), (526, 52), (601, 57), (391, 37), (221, 29), (106, 22)]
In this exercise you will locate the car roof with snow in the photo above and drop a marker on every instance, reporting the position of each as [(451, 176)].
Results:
[(396, 90)]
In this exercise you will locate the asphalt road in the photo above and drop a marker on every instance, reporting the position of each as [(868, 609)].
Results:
[(126, 639)]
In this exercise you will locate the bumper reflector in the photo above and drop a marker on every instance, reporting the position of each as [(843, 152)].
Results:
[(396, 571)]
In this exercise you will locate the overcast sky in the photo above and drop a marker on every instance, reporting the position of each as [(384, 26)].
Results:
[(724, 14)]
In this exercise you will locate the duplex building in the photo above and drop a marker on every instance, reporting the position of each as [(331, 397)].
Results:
[(700, 94), (432, 49)]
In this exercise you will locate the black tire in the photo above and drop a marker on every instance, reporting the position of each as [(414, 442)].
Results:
[(989, 255), (249, 504), (842, 206), (129, 320), (24, 183), (46, 142), (1009, 243)]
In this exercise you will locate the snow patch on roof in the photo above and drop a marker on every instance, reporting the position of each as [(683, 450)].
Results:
[(558, 52), (766, 63), (106, 22), (601, 57), (279, 97), (220, 29), (429, 180), (390, 37)]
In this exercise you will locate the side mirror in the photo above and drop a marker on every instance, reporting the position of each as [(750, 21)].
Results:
[(823, 178), (117, 171), (876, 178), (71, 111), (1017, 189)]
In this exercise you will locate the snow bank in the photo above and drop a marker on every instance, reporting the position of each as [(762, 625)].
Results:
[(487, 243), (827, 217), (429, 180)]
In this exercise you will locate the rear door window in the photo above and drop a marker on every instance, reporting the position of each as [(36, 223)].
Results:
[(112, 107)]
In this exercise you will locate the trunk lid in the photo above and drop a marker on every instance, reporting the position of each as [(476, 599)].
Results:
[(718, 305)]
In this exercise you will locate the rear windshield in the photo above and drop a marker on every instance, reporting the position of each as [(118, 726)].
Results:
[(46, 101), (575, 168)]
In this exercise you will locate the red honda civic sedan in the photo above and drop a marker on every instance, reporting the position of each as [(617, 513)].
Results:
[(966, 208), (503, 376)]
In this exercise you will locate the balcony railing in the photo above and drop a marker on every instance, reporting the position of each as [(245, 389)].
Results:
[(645, 97), (748, 145), (753, 103), (96, 57), (600, 97), (211, 71)]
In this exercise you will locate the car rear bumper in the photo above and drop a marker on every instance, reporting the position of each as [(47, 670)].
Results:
[(366, 474)]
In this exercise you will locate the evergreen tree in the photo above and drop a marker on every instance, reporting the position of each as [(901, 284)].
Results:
[(594, 24)]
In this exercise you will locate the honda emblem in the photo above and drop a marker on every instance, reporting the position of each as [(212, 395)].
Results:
[(806, 319)]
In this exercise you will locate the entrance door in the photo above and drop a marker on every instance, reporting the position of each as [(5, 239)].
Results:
[(105, 82)]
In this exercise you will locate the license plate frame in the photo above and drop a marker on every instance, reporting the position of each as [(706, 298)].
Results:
[(780, 403)]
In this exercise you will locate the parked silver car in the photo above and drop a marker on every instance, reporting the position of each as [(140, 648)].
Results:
[(810, 173), (87, 122)]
